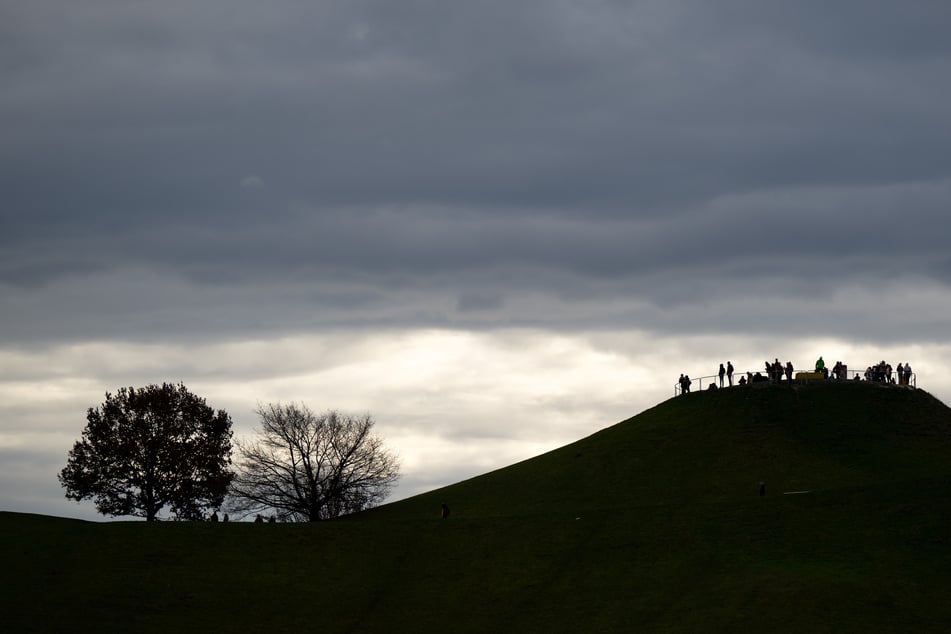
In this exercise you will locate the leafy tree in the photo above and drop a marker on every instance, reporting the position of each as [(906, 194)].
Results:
[(308, 467), (148, 448)]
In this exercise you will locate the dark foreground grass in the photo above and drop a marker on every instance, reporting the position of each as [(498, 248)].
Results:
[(654, 524)]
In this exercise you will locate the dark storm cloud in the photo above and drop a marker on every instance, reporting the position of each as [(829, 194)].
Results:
[(238, 166)]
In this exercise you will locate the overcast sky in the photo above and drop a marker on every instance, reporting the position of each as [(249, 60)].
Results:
[(496, 226)]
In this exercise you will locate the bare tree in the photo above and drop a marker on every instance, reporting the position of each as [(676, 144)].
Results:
[(309, 467)]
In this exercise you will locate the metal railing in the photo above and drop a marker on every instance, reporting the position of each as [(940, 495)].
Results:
[(909, 380)]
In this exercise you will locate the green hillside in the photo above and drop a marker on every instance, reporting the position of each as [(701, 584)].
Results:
[(654, 524)]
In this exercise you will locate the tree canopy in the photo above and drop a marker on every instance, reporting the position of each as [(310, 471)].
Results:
[(150, 448), (309, 467)]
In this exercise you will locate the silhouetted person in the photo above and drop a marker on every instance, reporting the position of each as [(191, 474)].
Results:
[(214, 517), (789, 371), (729, 372), (271, 519), (445, 510), (259, 519), (225, 518), (722, 372)]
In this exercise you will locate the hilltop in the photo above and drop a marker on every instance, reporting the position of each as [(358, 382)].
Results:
[(652, 524), (719, 444)]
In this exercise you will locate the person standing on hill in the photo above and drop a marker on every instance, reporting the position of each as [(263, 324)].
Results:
[(729, 372), (722, 372), (821, 366), (789, 371), (900, 370)]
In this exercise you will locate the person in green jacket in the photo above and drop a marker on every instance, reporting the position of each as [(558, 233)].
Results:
[(821, 366)]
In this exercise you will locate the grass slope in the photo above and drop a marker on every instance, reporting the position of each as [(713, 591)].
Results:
[(653, 524)]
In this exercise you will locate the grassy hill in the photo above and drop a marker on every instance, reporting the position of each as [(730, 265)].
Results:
[(654, 524)]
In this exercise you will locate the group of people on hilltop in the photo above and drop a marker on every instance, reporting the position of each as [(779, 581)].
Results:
[(882, 373), (839, 371), (775, 371)]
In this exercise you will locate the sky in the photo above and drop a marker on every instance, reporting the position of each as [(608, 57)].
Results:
[(495, 226)]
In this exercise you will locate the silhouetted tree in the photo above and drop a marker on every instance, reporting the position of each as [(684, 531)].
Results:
[(148, 448), (309, 467)]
